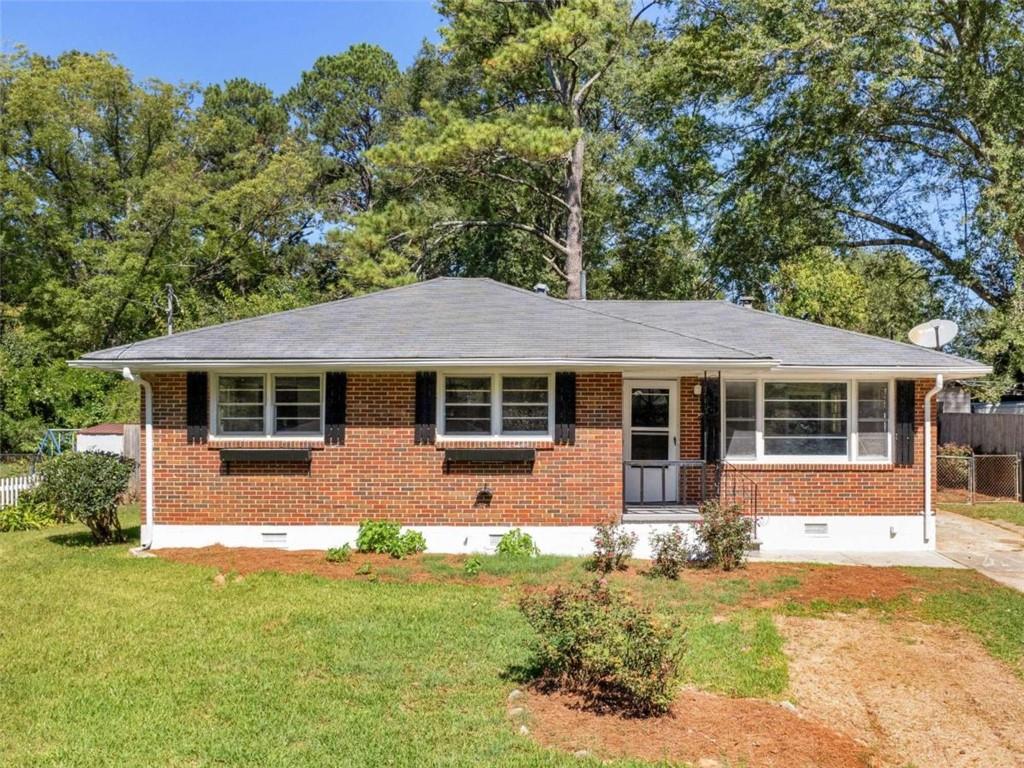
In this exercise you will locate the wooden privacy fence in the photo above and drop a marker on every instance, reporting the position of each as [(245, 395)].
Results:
[(1001, 433), (12, 487)]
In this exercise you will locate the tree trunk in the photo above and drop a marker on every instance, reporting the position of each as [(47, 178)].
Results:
[(574, 224)]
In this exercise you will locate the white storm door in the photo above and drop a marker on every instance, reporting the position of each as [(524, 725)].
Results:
[(651, 435)]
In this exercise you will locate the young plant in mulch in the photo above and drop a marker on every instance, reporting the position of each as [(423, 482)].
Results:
[(724, 535), (340, 554), (613, 546), (88, 487), (671, 553), (598, 643)]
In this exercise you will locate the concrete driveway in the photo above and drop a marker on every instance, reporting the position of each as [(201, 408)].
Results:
[(995, 550)]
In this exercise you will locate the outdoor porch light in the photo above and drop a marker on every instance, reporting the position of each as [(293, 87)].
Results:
[(484, 496)]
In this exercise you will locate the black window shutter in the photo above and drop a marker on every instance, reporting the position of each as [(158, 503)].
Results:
[(905, 406), (197, 406), (565, 408), (426, 407), (711, 419), (335, 407)]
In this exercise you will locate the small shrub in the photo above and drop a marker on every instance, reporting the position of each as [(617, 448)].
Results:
[(515, 543), (472, 566), (339, 554), (671, 553), (385, 538), (598, 643), (724, 535), (31, 513), (613, 546), (88, 487), (955, 449), (364, 570)]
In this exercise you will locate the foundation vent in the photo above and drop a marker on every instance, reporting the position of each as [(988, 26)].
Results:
[(274, 539), (493, 539), (816, 529)]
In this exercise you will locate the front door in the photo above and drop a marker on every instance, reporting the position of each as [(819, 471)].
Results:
[(651, 436)]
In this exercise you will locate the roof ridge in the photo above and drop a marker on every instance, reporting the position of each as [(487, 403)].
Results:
[(906, 344), (125, 347), (576, 304), (677, 333)]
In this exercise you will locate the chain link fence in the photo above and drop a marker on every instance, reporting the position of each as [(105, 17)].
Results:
[(978, 478)]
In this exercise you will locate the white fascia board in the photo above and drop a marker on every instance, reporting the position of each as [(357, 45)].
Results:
[(878, 370), (418, 364)]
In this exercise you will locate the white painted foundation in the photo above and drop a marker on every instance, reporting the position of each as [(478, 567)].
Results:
[(859, 533)]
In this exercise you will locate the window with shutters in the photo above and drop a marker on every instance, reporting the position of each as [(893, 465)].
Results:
[(504, 405), (807, 421), (256, 405)]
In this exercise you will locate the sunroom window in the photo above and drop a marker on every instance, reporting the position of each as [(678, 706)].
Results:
[(873, 419), (240, 405), (740, 419), (805, 419)]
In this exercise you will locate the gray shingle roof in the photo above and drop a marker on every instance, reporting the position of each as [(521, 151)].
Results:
[(792, 341), (465, 320)]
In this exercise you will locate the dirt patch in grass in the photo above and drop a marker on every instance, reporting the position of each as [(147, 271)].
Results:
[(920, 694), (247, 560), (748, 732)]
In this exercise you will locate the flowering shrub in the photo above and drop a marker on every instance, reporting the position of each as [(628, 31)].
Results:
[(613, 547), (724, 535)]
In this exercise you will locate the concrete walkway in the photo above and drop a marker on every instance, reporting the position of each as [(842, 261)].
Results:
[(914, 559), (997, 551)]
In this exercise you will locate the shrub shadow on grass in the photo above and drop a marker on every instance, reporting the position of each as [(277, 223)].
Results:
[(84, 538)]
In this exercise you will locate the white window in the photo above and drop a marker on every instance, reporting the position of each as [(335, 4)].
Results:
[(822, 421), (261, 405), (741, 419), (240, 405), (297, 405), (805, 419), (486, 405), (873, 419)]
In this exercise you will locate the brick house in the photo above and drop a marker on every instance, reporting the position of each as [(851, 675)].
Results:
[(465, 407)]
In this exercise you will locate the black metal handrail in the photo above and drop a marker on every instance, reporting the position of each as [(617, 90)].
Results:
[(737, 487), (665, 465)]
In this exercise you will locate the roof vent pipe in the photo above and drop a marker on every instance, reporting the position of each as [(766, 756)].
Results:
[(745, 301), (541, 288)]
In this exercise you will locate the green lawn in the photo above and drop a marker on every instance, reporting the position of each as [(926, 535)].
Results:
[(110, 660), (1012, 512)]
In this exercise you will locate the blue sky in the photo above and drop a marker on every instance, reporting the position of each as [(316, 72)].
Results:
[(270, 42)]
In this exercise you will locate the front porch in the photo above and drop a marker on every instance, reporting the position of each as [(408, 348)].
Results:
[(673, 490)]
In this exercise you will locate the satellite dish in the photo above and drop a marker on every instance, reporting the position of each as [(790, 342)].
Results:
[(934, 334)]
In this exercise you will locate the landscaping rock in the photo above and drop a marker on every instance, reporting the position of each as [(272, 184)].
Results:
[(516, 712), (581, 754), (515, 695), (708, 762), (219, 580), (789, 705), (523, 730)]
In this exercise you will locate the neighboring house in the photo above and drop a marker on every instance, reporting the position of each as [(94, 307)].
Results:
[(464, 407), (108, 437)]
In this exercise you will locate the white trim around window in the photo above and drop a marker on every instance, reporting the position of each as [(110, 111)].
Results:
[(851, 456), (495, 406), (269, 429)]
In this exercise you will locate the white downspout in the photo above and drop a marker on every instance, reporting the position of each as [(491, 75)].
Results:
[(928, 451), (148, 395)]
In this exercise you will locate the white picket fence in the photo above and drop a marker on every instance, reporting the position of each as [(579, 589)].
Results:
[(11, 488)]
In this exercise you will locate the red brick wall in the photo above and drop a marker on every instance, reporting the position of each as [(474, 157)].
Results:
[(824, 489), (381, 473)]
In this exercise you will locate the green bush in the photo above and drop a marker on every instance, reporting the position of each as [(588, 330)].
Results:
[(599, 644), (384, 537), (339, 554), (671, 553), (472, 566), (613, 547), (724, 535), (33, 512), (88, 487), (515, 543)]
